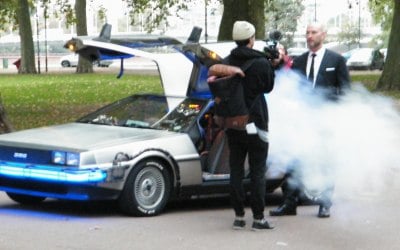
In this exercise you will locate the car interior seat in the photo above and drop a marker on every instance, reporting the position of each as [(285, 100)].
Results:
[(218, 155)]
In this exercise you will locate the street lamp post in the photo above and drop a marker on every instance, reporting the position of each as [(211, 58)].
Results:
[(37, 38), (315, 10), (359, 23), (45, 38), (358, 2)]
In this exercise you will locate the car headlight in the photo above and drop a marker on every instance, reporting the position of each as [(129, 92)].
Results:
[(65, 158)]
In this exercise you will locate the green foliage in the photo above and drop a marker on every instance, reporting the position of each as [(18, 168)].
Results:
[(155, 11), (370, 81), (283, 15), (382, 12), (65, 9), (349, 34), (8, 14), (40, 100)]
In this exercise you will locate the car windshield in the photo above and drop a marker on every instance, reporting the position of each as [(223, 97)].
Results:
[(149, 111)]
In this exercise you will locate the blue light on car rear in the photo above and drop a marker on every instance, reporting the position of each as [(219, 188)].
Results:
[(52, 174)]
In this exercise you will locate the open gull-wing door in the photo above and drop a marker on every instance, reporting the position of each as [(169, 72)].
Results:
[(174, 67), (183, 67)]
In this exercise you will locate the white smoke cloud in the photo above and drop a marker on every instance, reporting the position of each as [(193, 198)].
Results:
[(354, 142)]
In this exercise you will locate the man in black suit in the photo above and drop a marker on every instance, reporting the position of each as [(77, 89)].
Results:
[(328, 75)]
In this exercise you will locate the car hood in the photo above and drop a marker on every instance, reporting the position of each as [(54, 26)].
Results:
[(79, 137)]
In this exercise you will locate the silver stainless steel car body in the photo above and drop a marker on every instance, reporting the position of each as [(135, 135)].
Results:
[(143, 150), (98, 146)]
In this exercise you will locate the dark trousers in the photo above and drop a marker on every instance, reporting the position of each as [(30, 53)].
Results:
[(240, 145), (294, 187)]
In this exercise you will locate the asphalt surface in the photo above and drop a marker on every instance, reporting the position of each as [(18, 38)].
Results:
[(361, 219)]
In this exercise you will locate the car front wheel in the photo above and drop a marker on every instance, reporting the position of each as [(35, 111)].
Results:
[(147, 189), (25, 199)]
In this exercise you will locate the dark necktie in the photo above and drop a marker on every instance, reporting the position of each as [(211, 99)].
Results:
[(311, 74)]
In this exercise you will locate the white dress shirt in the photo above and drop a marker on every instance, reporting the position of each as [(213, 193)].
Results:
[(317, 62)]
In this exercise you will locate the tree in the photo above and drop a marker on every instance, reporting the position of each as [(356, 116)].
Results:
[(25, 32), (16, 14), (84, 66), (76, 15), (349, 34), (390, 78), (155, 11), (283, 15), (249, 10), (252, 11)]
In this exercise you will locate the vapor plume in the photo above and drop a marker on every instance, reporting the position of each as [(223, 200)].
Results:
[(354, 142)]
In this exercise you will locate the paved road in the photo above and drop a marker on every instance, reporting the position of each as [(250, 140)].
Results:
[(363, 219)]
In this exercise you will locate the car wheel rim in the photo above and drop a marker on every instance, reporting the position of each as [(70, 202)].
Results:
[(149, 187)]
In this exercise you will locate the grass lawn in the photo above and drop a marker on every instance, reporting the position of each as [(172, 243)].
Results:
[(39, 100)]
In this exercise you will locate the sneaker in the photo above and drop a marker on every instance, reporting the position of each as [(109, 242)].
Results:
[(239, 223), (261, 225)]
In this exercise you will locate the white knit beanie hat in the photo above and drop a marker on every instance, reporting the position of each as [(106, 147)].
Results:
[(242, 30)]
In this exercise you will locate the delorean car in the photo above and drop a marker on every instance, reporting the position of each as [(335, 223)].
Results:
[(142, 151)]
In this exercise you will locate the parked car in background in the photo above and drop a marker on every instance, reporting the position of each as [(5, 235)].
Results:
[(348, 54), (366, 59), (71, 60), (384, 52), (295, 52)]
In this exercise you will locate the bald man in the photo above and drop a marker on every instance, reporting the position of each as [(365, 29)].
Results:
[(327, 74)]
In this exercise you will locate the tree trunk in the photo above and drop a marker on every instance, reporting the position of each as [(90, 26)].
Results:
[(249, 10), (257, 17), (5, 124), (84, 66), (390, 78), (25, 32)]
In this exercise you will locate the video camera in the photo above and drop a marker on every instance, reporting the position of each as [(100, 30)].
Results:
[(271, 50)]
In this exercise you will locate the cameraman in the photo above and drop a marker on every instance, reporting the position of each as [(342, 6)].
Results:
[(258, 80)]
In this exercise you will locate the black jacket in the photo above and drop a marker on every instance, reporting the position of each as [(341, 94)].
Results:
[(259, 80), (332, 76)]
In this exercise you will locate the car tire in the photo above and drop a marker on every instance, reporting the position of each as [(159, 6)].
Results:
[(65, 64), (25, 199), (147, 189)]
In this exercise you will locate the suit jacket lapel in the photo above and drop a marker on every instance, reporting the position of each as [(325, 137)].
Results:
[(322, 67)]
